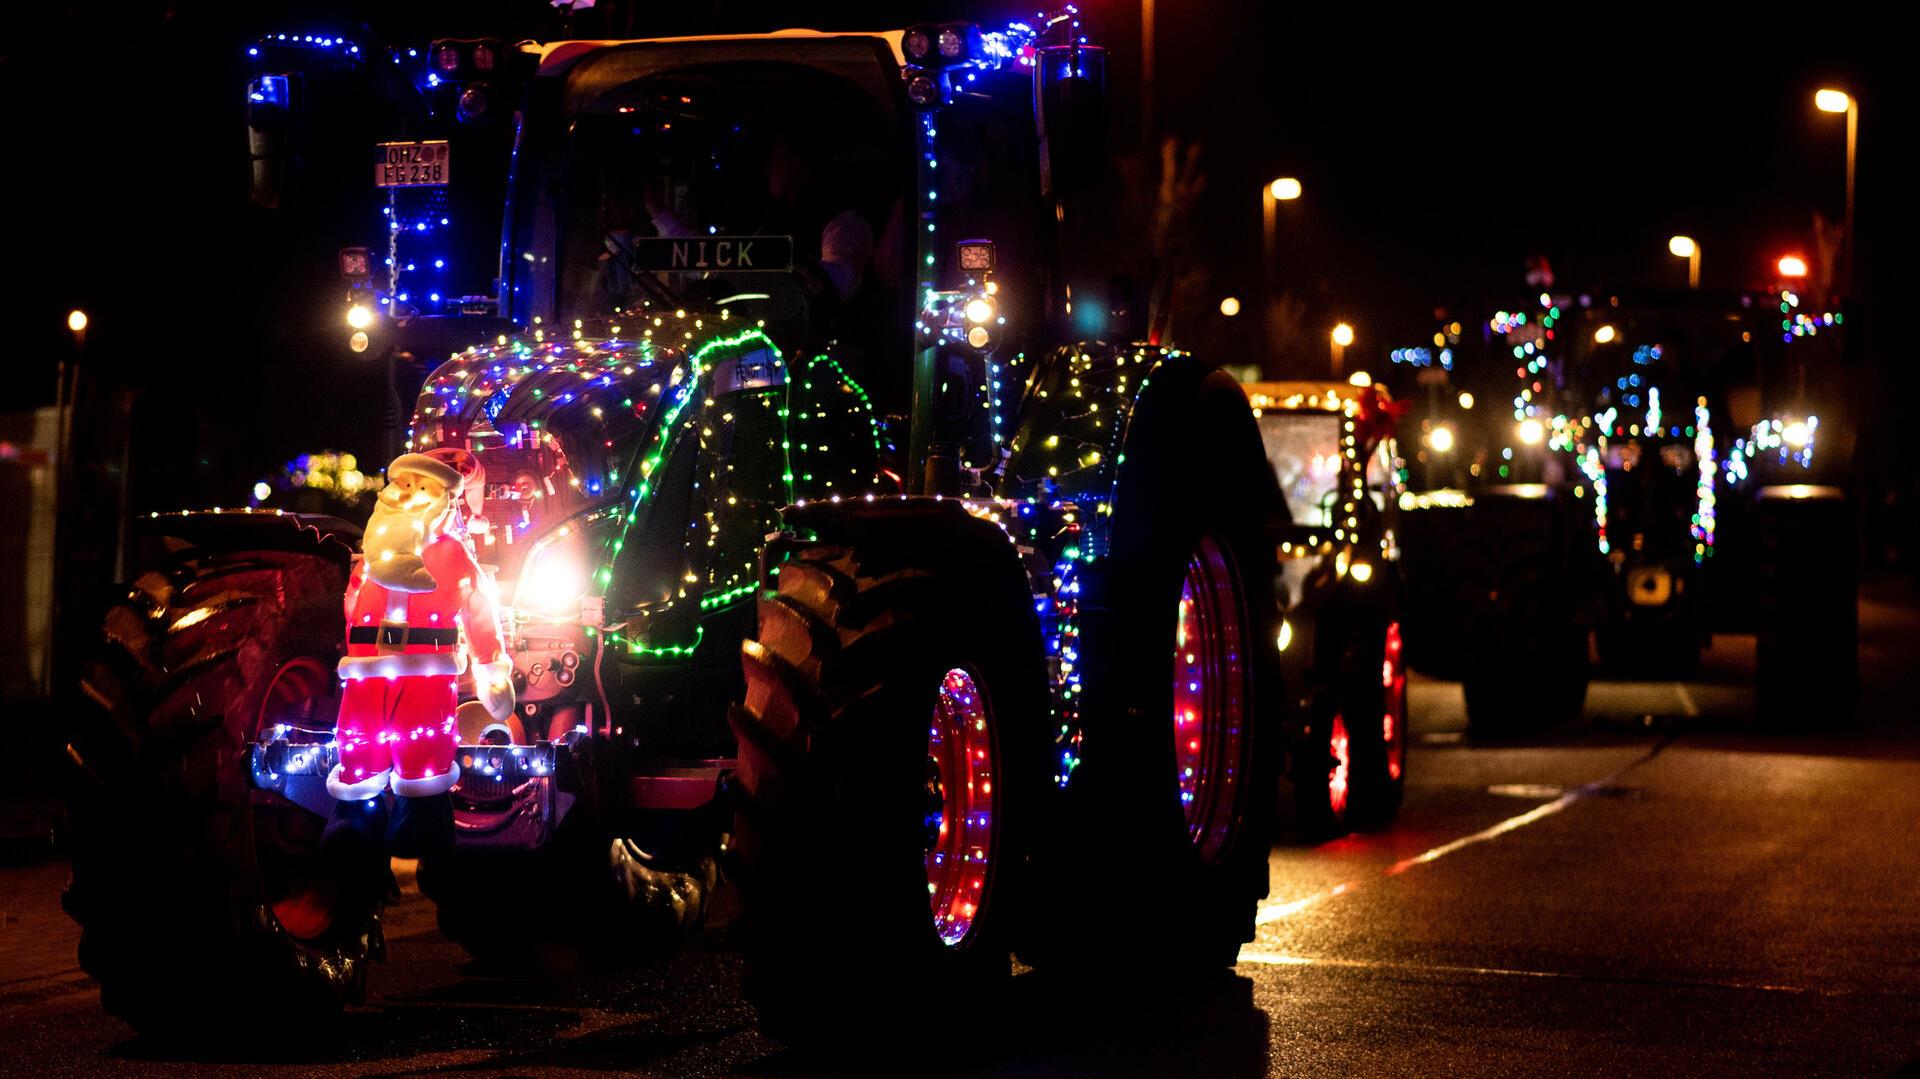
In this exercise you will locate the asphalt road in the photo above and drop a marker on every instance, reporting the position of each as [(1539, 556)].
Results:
[(1654, 890)]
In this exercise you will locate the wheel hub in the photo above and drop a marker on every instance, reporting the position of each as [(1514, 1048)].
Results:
[(1209, 699), (960, 806)]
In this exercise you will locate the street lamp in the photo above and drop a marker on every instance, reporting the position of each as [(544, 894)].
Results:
[(1792, 266), (1342, 337), (77, 321), (1840, 101), (1284, 189), (1230, 306), (1684, 247)]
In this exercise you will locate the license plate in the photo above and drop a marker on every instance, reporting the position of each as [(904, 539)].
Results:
[(716, 254), (411, 164)]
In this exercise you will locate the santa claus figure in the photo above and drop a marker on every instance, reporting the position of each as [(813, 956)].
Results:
[(420, 613)]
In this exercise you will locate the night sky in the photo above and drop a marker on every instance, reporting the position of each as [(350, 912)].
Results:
[(1437, 153)]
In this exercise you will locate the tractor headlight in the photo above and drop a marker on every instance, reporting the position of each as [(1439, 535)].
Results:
[(556, 576), (1441, 439), (1532, 432), (359, 316), (553, 582)]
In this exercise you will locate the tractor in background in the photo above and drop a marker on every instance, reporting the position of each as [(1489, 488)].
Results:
[(1640, 467), (1332, 450)]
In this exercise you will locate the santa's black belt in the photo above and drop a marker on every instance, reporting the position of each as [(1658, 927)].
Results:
[(403, 635)]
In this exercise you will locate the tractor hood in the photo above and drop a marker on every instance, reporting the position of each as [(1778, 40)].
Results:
[(569, 428)]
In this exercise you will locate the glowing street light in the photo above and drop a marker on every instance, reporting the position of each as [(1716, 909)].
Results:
[(77, 320), (1341, 338), (1230, 306), (1792, 266), (1839, 101), (1684, 247), (1603, 335), (1284, 189)]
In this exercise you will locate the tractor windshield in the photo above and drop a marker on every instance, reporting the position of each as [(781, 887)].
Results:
[(774, 189), (1304, 449)]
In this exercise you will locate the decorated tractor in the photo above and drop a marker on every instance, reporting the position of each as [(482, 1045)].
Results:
[(1640, 466), (1331, 448), (813, 530)]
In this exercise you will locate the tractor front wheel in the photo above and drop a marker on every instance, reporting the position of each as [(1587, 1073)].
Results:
[(199, 893), (891, 756)]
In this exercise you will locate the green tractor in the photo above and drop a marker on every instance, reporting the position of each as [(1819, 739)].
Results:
[(844, 539)]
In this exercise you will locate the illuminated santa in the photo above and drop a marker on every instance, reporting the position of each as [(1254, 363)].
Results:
[(420, 613)]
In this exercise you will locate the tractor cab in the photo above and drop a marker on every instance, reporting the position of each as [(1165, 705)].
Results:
[(1331, 448), (770, 177)]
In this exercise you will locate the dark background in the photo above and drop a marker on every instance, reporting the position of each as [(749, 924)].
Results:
[(1438, 151)]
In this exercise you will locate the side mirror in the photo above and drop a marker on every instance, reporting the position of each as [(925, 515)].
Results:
[(272, 130), (1070, 109)]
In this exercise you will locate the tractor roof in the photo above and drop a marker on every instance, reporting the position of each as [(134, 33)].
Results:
[(557, 56), (1310, 395)]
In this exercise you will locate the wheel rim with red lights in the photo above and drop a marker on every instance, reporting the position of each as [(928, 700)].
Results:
[(961, 806), (1209, 699), (1339, 766), (301, 700), (1393, 711)]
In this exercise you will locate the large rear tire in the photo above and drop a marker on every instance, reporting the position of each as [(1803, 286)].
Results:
[(1188, 528), (1349, 763), (201, 896), (1527, 561), (1807, 651), (892, 759)]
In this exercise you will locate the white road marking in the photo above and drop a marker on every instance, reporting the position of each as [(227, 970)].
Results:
[(1540, 812), (1686, 700), (1270, 912), (1286, 959), (1526, 790)]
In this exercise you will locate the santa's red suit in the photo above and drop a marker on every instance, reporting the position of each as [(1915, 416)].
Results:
[(409, 640)]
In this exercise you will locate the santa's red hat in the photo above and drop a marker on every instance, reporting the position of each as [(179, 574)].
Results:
[(459, 470)]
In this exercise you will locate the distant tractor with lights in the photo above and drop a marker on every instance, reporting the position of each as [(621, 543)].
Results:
[(1603, 484), (1331, 446), (827, 532)]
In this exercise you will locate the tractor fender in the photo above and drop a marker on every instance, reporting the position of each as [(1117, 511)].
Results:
[(972, 542), (1102, 424), (250, 530)]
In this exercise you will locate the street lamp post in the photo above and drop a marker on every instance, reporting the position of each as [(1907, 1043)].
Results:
[(1685, 247), (1342, 337), (1841, 101), (1284, 189)]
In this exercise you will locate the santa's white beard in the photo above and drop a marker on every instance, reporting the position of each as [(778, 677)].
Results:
[(390, 543)]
